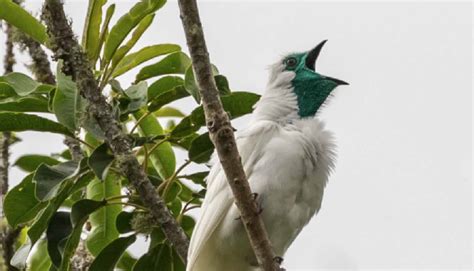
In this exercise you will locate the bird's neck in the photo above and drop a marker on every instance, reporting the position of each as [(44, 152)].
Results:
[(279, 103)]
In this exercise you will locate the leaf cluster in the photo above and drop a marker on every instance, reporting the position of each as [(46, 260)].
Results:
[(62, 202)]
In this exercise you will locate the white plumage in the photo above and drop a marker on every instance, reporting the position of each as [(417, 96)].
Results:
[(287, 160)]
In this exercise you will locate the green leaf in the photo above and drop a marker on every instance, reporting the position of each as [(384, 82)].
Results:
[(136, 35), (188, 223), (6, 90), (44, 89), (175, 63), (178, 264), (30, 162), (59, 229), (48, 179), (198, 177), (103, 221), (236, 104), (84, 179), (191, 85), (156, 237), (39, 260), (21, 19), (21, 83), (157, 259), (183, 142), (175, 206), (104, 32), (162, 158), (126, 262), (30, 103), (68, 104), (90, 36), (20, 204), (123, 222), (173, 192), (130, 61), (163, 85), (137, 97), (41, 223), (127, 22), (169, 112), (66, 154), (109, 256), (167, 97), (100, 161), (187, 194), (92, 127), (19, 122), (201, 149), (222, 84), (80, 212)]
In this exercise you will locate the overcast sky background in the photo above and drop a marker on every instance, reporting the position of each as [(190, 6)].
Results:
[(401, 193)]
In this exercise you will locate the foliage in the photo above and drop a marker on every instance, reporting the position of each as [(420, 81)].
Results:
[(60, 200)]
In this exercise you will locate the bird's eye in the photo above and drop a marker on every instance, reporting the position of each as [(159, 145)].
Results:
[(291, 62)]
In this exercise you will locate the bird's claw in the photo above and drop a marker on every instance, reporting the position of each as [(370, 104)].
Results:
[(259, 205), (279, 260)]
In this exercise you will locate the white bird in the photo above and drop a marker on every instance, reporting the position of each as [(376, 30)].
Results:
[(287, 155)]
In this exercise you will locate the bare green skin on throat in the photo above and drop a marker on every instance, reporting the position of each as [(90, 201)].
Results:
[(310, 87)]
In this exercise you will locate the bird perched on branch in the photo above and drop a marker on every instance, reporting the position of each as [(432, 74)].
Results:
[(287, 155)]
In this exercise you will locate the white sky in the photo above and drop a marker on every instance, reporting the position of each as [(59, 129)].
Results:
[(401, 194)]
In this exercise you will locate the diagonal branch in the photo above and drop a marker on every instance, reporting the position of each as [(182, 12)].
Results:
[(41, 68), (76, 64), (222, 135)]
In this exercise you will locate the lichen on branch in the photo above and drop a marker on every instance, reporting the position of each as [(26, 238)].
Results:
[(76, 64)]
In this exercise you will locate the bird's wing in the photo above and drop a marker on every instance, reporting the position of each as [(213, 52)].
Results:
[(219, 198)]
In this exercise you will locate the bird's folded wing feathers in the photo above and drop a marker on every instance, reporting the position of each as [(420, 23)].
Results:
[(219, 195)]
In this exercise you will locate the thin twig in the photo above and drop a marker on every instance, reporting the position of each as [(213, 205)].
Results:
[(222, 135), (139, 120), (151, 150), (168, 183), (85, 143), (65, 47), (118, 197), (127, 204)]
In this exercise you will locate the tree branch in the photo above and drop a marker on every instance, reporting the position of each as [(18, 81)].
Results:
[(66, 47), (5, 140), (40, 67), (9, 58), (222, 135)]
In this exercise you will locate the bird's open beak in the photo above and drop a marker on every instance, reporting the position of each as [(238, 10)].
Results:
[(312, 57)]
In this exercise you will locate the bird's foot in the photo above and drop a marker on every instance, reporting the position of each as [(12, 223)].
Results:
[(279, 260), (259, 205)]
